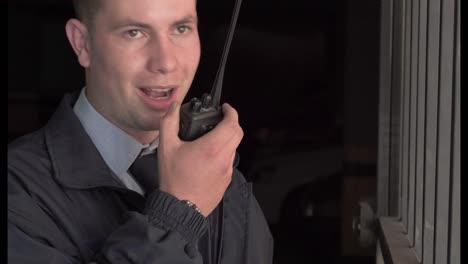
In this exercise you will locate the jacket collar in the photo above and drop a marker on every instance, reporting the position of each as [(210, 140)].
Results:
[(75, 159)]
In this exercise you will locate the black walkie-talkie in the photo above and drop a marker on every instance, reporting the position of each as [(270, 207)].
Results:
[(199, 116)]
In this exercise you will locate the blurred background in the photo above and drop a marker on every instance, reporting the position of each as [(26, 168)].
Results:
[(303, 76)]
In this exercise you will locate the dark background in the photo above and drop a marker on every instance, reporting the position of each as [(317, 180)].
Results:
[(303, 76)]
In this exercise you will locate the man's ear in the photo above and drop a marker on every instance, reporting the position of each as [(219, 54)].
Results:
[(77, 35)]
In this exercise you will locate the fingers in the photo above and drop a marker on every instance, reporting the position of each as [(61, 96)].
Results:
[(226, 148), (225, 130), (236, 139), (230, 114), (234, 142), (231, 123), (169, 126)]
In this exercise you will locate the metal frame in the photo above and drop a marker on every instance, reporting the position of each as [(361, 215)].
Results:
[(419, 132)]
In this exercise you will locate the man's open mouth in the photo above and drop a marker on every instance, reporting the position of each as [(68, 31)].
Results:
[(158, 93)]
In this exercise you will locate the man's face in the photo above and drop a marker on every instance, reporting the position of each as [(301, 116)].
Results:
[(143, 55)]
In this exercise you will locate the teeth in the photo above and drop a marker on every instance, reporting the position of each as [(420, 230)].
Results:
[(159, 90), (160, 97), (157, 93)]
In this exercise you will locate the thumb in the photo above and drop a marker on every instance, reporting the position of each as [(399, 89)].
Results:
[(170, 123)]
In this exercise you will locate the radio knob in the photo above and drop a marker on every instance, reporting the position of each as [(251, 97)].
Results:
[(195, 105), (206, 99)]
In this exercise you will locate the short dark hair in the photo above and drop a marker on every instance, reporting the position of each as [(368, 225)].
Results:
[(85, 9)]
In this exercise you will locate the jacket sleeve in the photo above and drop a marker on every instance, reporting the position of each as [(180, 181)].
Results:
[(168, 232)]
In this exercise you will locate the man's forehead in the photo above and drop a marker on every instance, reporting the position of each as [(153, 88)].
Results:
[(149, 10)]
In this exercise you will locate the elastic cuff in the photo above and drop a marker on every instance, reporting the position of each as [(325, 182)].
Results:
[(166, 211)]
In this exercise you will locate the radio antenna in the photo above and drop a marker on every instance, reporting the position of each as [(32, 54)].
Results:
[(218, 83)]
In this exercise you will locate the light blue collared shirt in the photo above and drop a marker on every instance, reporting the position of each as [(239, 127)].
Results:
[(118, 149)]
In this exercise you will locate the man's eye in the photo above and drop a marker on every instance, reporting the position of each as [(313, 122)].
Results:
[(134, 33), (182, 29)]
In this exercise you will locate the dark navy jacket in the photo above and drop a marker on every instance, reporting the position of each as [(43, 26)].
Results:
[(66, 206)]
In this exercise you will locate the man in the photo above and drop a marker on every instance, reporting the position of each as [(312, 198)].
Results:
[(72, 194)]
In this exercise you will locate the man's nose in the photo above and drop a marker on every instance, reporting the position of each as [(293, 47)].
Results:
[(163, 57)]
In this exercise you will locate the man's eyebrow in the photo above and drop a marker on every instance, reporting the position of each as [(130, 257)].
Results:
[(187, 20), (133, 23)]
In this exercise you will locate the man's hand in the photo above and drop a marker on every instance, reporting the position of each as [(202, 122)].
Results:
[(201, 170)]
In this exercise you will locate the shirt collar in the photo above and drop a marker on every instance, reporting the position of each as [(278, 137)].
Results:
[(118, 149)]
